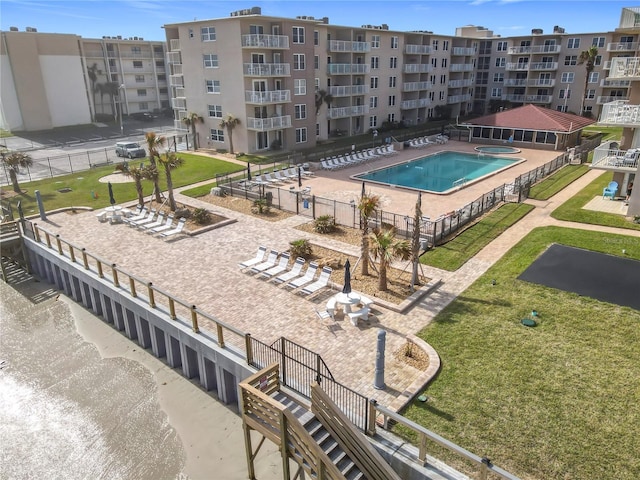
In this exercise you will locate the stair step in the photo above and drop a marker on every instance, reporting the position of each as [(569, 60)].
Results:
[(299, 411)]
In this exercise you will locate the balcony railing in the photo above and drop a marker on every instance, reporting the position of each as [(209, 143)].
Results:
[(620, 113), (176, 69), (529, 82), (180, 125), (534, 49), (348, 46), (179, 103), (174, 57), (601, 100), (458, 98), (266, 124), (418, 103), (174, 44), (176, 81), (417, 49), (258, 40), (467, 82), (462, 67), (533, 66), (179, 92), (418, 68), (347, 68), (416, 86), (267, 69), (348, 90), (528, 98), (466, 51), (274, 96), (625, 67), (622, 47), (612, 83), (608, 157), (353, 111)]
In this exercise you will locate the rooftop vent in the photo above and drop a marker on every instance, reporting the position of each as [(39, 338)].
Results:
[(536, 31), (557, 29), (13, 29), (31, 29)]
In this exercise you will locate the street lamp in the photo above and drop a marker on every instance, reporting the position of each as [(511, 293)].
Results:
[(121, 87), (373, 141)]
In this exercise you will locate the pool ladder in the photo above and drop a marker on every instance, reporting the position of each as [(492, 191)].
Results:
[(460, 182)]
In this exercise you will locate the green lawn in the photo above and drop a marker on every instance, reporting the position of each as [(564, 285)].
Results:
[(455, 253), (551, 185), (85, 185), (558, 401), (609, 133)]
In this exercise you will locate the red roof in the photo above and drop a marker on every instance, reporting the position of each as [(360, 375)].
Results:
[(532, 117)]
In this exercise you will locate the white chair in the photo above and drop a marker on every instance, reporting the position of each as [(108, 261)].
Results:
[(175, 231), (148, 219), (295, 271), (168, 224), (356, 315), (306, 278), (365, 301), (267, 264), (321, 283), (331, 307), (140, 216), (159, 221), (279, 268), (323, 315), (255, 260)]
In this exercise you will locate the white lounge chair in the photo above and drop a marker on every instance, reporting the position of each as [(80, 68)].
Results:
[(271, 260), (279, 268), (320, 284), (168, 225), (306, 278), (175, 231), (295, 271), (143, 213), (255, 260), (145, 219), (150, 219), (159, 221), (323, 314)]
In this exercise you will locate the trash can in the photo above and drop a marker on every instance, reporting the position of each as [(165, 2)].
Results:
[(305, 203)]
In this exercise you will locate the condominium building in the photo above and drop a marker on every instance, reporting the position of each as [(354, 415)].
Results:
[(295, 81)]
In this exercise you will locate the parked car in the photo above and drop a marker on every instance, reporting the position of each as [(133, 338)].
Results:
[(143, 116), (130, 150)]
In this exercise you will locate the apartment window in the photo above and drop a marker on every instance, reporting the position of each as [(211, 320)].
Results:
[(591, 94), (143, 106), (567, 77), (142, 92), (485, 48), (136, 50), (391, 117), (445, 45), (158, 49), (316, 62), (564, 93), (208, 34), (593, 77), (434, 45), (298, 34), (393, 62), (139, 78), (373, 102), (598, 42), (210, 60), (434, 62), (217, 135), (444, 63), (316, 37), (573, 43), (498, 77), (160, 63), (373, 121), (317, 129), (432, 96), (137, 64), (215, 111), (571, 60), (300, 111), (299, 86), (163, 90), (392, 82), (375, 41), (442, 95), (316, 82), (392, 100), (432, 79), (496, 92), (213, 86), (482, 78), (484, 63), (443, 79), (394, 42), (588, 109), (502, 46), (373, 82), (375, 62), (298, 61), (501, 62), (598, 60), (301, 135)]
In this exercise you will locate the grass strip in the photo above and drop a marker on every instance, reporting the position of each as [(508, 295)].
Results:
[(553, 184)]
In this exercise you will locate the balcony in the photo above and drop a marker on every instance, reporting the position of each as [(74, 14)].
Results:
[(534, 49), (348, 46), (179, 103), (174, 45), (462, 67), (601, 100), (608, 157), (458, 98), (267, 69), (174, 58), (176, 69), (418, 68), (529, 82), (460, 83), (342, 112), (179, 92), (609, 83), (416, 86), (347, 68), (261, 98), (94, 53), (258, 40), (467, 52), (625, 67), (267, 124), (348, 90), (176, 81), (622, 47), (420, 102), (620, 113), (417, 49), (528, 98), (179, 125)]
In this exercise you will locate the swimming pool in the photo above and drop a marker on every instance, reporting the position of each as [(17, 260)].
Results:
[(442, 172), (490, 149)]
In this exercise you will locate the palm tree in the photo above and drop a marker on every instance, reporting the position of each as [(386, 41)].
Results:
[(368, 206), (386, 247), (588, 57), (13, 162), (415, 242), (190, 121), (138, 174), (170, 161), (92, 73), (230, 122), (154, 143), (323, 96), (113, 90)]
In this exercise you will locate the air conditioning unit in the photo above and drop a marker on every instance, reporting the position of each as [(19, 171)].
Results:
[(14, 29), (31, 29)]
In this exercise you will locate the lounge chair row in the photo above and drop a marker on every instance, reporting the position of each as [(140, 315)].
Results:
[(274, 267), (423, 142), (279, 177), (354, 158), (155, 223)]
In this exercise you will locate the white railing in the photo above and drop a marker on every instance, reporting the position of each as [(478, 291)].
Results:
[(273, 123), (348, 46), (94, 53), (180, 125), (460, 83), (347, 68), (176, 81), (341, 112), (348, 90), (630, 17), (174, 44), (273, 96), (622, 47), (179, 92), (458, 98), (258, 40), (267, 69), (418, 68), (466, 51), (176, 69), (625, 67), (415, 86), (620, 113), (417, 49), (613, 83), (529, 82), (528, 98), (174, 57), (517, 66), (534, 49), (179, 103), (420, 102), (461, 67), (543, 66), (608, 99), (608, 156)]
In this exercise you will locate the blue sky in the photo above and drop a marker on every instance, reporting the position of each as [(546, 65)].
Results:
[(144, 18)]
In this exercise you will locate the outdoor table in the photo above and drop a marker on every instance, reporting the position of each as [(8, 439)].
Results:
[(347, 300), (114, 213)]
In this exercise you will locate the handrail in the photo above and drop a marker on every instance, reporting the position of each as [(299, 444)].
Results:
[(484, 464)]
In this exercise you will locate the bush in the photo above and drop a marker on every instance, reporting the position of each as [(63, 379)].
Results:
[(300, 248), (260, 206), (325, 224), (201, 216)]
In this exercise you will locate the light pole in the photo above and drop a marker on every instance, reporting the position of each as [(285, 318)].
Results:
[(120, 89), (373, 141)]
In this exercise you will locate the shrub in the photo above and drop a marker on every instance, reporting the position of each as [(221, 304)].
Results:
[(201, 216), (260, 206), (300, 248), (325, 224)]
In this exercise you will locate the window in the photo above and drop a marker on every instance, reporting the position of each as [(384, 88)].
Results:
[(598, 60), (501, 62), (445, 45), (484, 63), (593, 77), (213, 86), (163, 90), (443, 79), (442, 95), (301, 135), (588, 108), (394, 42), (571, 60), (142, 92), (210, 60), (373, 121), (444, 63), (496, 92), (375, 41), (143, 106), (300, 111), (434, 45), (316, 62), (375, 62), (139, 78), (564, 93), (502, 46), (393, 62), (482, 78), (498, 77), (160, 63), (373, 82), (217, 135), (391, 117), (373, 102), (598, 42), (298, 61), (567, 77), (591, 94), (573, 43), (392, 100), (215, 111), (136, 50), (298, 34), (158, 49), (434, 62), (485, 48), (392, 82), (208, 34), (137, 64), (317, 129), (316, 82), (299, 86), (316, 37)]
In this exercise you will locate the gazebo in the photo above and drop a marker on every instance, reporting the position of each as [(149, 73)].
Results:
[(528, 126)]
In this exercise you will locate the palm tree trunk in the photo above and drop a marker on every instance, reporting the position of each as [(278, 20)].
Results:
[(382, 281), (14, 180), (365, 248), (230, 140), (193, 132), (140, 193), (172, 201)]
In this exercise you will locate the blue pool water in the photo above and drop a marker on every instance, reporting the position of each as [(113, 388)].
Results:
[(439, 172), (497, 149)]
